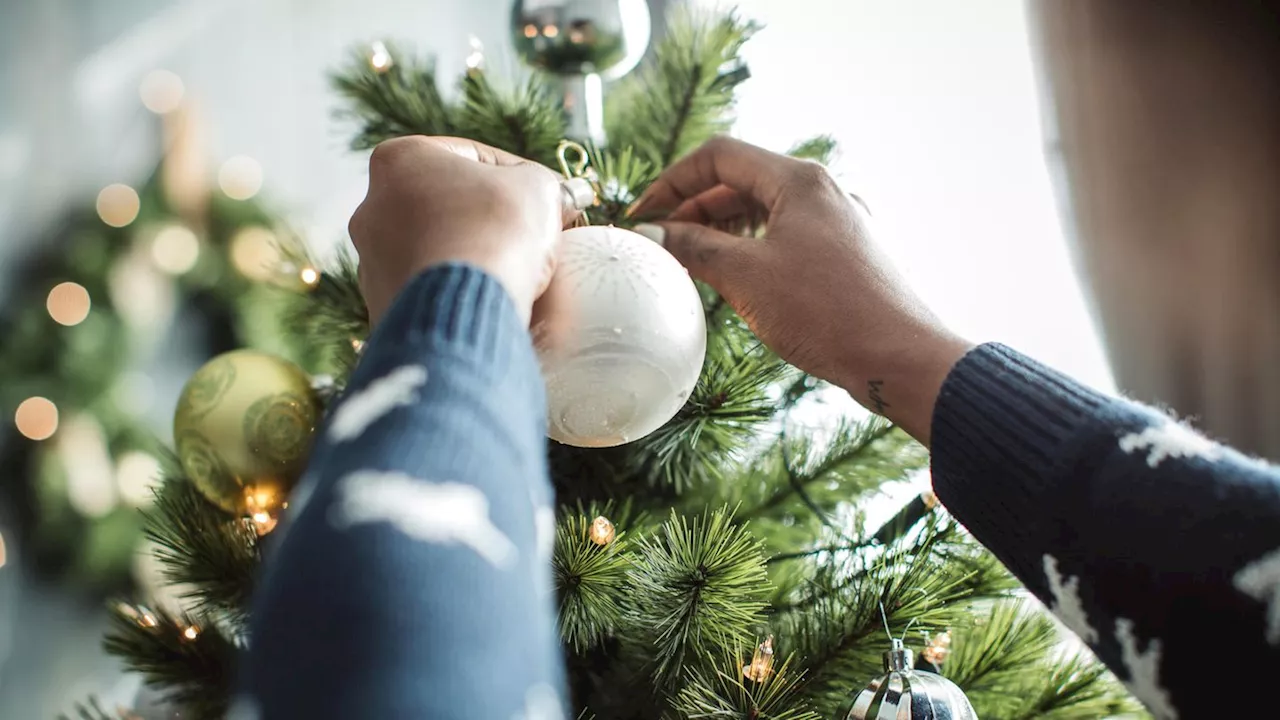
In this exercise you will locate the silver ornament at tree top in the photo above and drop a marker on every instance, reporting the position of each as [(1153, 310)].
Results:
[(585, 42), (904, 693)]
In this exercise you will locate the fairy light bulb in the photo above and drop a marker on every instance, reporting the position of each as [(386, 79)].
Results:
[(161, 91), (938, 649), (191, 632), (240, 177), (255, 253), (263, 507), (309, 276), (118, 205), (761, 666), (602, 531), (68, 303), (36, 418), (175, 249), (380, 59)]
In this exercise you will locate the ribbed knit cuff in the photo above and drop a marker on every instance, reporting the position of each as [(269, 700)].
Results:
[(460, 309), (1000, 426)]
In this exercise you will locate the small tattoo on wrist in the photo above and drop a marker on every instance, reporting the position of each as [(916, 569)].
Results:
[(877, 400)]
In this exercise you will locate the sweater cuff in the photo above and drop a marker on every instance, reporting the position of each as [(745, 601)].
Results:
[(460, 309), (1000, 425)]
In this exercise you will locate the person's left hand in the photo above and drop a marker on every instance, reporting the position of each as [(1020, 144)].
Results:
[(434, 200)]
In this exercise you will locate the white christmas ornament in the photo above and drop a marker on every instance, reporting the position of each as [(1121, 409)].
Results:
[(626, 344)]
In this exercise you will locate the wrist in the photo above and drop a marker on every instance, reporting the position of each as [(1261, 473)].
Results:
[(901, 381)]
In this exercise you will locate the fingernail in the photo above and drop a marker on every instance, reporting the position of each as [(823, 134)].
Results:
[(656, 233), (634, 207)]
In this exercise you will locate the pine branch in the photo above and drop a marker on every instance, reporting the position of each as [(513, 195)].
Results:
[(821, 149), (528, 122), (591, 580), (686, 94), (89, 710), (697, 586), (196, 667), (728, 407), (402, 99), (1009, 666), (201, 545), (330, 316), (840, 635), (622, 176), (719, 690)]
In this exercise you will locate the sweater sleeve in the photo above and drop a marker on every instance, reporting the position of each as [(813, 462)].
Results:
[(1158, 547), (410, 577)]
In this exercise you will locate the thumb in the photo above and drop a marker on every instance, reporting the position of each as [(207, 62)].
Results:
[(712, 256)]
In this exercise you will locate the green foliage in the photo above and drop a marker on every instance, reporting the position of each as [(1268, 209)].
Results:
[(685, 95), (401, 100), (1010, 666), (591, 580), (527, 122), (197, 674), (202, 546), (820, 149), (718, 689), (699, 585)]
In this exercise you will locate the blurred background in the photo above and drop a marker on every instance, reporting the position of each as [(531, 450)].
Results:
[(1094, 186)]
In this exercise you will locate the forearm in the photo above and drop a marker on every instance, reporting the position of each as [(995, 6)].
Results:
[(1153, 544), (412, 567)]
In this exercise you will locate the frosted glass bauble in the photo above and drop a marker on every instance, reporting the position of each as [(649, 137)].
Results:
[(625, 345)]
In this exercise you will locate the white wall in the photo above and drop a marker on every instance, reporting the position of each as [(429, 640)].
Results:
[(935, 105)]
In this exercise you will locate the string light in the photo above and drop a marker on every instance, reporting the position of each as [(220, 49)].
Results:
[(761, 666), (175, 249), (86, 461), (191, 632), (939, 647), (254, 253), (240, 177), (602, 531), (551, 31), (380, 58), (531, 31), (118, 205), (141, 616), (930, 500), (475, 59), (260, 503), (68, 303), (310, 276), (3, 556), (357, 345), (36, 418), (137, 473), (161, 91)]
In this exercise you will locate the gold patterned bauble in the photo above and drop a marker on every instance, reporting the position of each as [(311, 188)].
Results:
[(244, 426)]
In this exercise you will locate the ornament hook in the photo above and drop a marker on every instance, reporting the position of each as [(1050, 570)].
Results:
[(578, 188)]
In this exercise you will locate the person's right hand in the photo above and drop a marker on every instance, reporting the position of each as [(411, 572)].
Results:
[(815, 289)]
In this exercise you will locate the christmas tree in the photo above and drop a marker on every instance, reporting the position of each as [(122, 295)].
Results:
[(724, 565)]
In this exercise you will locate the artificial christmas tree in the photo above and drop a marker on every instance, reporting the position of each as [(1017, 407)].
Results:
[(719, 566)]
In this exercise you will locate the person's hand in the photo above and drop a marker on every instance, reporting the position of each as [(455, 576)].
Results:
[(815, 289), (434, 200)]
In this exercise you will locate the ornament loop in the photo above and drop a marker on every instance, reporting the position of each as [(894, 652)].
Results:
[(575, 167)]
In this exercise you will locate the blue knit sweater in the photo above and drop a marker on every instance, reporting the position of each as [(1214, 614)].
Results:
[(411, 578)]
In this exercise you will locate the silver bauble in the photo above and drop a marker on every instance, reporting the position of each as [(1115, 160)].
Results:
[(581, 37), (904, 693)]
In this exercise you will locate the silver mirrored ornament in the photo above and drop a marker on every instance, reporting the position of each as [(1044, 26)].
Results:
[(586, 43), (904, 693)]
